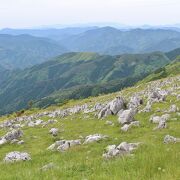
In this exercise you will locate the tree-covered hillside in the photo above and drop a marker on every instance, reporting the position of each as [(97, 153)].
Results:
[(25, 50), (113, 41), (103, 73), (172, 69)]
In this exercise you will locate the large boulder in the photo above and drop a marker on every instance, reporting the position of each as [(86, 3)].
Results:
[(116, 105), (113, 107), (17, 156), (127, 116)]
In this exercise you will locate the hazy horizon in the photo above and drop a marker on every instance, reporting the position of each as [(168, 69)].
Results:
[(42, 13)]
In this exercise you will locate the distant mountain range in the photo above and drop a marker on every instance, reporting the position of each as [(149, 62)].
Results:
[(24, 50), (76, 75), (27, 47), (112, 41), (51, 33)]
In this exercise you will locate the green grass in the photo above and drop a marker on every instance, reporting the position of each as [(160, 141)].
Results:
[(85, 161)]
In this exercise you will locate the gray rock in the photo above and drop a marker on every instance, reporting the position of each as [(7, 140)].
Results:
[(17, 156), (173, 108), (14, 134), (126, 116), (113, 107), (54, 131), (110, 123), (158, 119), (116, 105), (162, 125), (126, 127), (122, 149), (94, 138), (64, 145), (134, 102), (170, 139), (20, 142)]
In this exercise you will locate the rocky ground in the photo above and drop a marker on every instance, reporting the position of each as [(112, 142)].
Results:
[(131, 134)]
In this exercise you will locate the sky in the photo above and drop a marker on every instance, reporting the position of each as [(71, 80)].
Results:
[(36, 13)]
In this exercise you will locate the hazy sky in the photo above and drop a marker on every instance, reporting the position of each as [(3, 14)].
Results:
[(27, 13)]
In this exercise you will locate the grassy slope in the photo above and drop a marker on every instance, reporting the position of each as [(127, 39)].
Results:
[(85, 161)]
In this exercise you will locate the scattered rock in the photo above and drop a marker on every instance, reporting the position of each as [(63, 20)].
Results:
[(50, 121), (20, 142), (54, 131), (158, 119), (173, 108), (170, 139), (162, 124), (134, 102), (11, 136), (17, 156), (64, 145), (94, 138), (122, 149), (127, 126), (157, 95), (110, 123), (35, 123)]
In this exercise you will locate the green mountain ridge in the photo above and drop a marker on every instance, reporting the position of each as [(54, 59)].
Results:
[(71, 72)]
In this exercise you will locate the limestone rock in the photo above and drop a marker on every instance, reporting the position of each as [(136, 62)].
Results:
[(127, 126), (63, 145), (54, 131), (170, 139), (17, 156), (94, 138), (122, 149), (126, 116)]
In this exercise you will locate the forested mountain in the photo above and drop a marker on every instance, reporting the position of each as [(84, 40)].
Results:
[(113, 41), (21, 50), (71, 73), (172, 69), (24, 50)]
